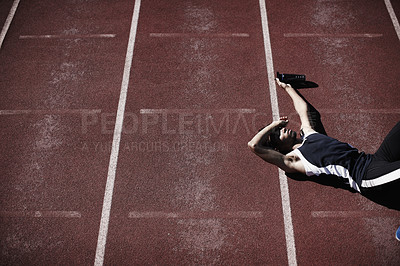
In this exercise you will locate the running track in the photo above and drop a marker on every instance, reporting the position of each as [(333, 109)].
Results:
[(124, 127)]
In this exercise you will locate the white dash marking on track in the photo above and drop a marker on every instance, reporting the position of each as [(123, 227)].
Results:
[(287, 213), (195, 215), (9, 19), (196, 111), (40, 214), (199, 35), (352, 214), (67, 36), (112, 168), (54, 111), (362, 111), (392, 14), (322, 35)]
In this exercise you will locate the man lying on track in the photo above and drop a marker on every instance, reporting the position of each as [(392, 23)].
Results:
[(314, 153)]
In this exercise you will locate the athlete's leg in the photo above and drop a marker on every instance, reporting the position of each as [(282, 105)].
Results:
[(386, 194), (390, 148), (382, 180)]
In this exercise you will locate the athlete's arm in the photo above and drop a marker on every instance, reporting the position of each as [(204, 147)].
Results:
[(258, 145), (300, 106)]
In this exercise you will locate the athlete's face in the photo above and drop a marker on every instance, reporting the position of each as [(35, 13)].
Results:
[(287, 135), (286, 139)]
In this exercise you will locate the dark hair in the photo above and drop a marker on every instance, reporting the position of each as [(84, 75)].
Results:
[(274, 139)]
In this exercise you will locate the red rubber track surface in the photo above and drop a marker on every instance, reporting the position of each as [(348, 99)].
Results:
[(187, 189)]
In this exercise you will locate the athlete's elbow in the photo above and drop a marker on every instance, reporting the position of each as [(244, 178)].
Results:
[(252, 146), (255, 148)]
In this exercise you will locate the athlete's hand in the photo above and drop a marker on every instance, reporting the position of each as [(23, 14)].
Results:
[(282, 122), (283, 85)]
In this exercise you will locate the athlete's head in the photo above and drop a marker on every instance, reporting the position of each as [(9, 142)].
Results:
[(283, 139)]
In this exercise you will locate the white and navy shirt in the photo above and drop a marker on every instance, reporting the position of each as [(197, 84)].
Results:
[(321, 154)]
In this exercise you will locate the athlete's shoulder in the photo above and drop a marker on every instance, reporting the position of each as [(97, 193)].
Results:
[(294, 162)]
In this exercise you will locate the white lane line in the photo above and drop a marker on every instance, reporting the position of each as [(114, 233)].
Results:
[(395, 21), (40, 214), (195, 215), (54, 111), (67, 36), (196, 111), (7, 24), (287, 213), (269, 62), (202, 35), (322, 35), (112, 167), (351, 214)]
